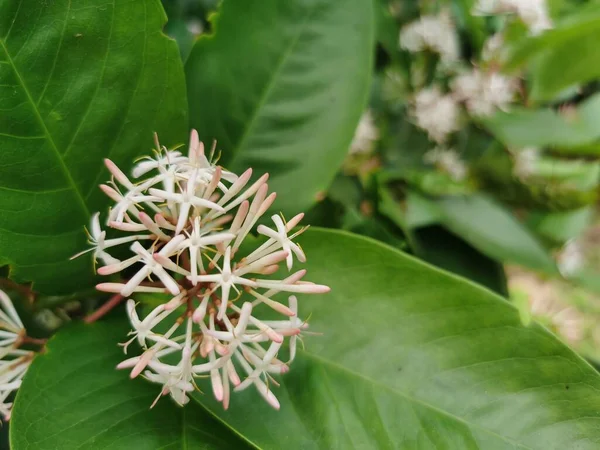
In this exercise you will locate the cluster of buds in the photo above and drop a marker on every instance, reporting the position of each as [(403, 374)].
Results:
[(14, 361), (185, 219)]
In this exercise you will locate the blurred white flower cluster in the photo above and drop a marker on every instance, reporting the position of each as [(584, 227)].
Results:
[(14, 361), (436, 113), (533, 13), (448, 161), (434, 33), (484, 92), (365, 136), (447, 97), (186, 220)]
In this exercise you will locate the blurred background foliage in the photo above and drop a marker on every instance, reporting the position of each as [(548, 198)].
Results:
[(480, 149)]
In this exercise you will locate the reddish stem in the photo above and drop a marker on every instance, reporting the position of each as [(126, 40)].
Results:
[(104, 309), (35, 341)]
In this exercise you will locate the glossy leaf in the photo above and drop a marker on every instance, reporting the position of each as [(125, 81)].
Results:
[(281, 86), (73, 398), (494, 231), (409, 357), (412, 357), (79, 81)]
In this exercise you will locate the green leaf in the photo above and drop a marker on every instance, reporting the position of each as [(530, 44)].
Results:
[(494, 231), (554, 49), (436, 245), (568, 31), (561, 226), (409, 357), (281, 86), (74, 398), (79, 81), (576, 67), (547, 128), (412, 357)]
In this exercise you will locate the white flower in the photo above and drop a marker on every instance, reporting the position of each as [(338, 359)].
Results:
[(365, 136), (448, 161), (570, 259), (492, 47), (14, 362), (436, 113), (434, 33), (525, 162), (186, 221), (195, 27), (97, 238), (533, 13), (484, 92)]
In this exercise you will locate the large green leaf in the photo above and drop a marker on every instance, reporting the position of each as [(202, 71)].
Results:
[(409, 357), (281, 86), (547, 128), (80, 80), (494, 231), (73, 398)]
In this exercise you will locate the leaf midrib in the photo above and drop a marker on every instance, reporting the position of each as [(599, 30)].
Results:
[(47, 134), (271, 83)]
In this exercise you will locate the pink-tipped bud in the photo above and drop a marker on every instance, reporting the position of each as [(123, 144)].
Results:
[(110, 269), (174, 303), (142, 363), (233, 376), (110, 192), (117, 173), (294, 221), (217, 385), (269, 270), (129, 227), (266, 204), (290, 332)]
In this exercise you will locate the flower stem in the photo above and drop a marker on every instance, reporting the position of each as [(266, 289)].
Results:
[(104, 309)]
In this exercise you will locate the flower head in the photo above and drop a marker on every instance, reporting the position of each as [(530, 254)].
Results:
[(434, 33), (484, 92), (448, 161), (185, 223), (436, 113), (525, 162), (14, 361)]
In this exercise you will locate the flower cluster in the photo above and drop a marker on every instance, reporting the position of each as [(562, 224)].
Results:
[(448, 161), (185, 220), (533, 13), (484, 92), (14, 361), (447, 94), (434, 33), (436, 113)]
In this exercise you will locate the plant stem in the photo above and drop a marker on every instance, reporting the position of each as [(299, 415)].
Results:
[(104, 309)]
